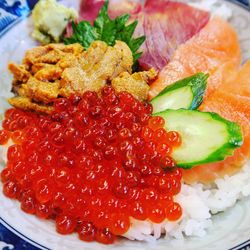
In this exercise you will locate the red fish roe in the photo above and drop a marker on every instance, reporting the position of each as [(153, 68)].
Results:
[(92, 164), (4, 137)]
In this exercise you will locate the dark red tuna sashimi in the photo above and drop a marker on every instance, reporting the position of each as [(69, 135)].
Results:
[(166, 25)]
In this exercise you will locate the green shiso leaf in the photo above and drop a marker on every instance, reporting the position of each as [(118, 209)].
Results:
[(107, 30)]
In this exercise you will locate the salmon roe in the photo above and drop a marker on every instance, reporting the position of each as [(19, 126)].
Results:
[(92, 164)]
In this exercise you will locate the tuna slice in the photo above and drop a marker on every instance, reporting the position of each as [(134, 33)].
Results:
[(166, 25)]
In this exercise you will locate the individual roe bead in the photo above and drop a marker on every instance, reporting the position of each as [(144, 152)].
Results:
[(65, 224), (43, 211), (104, 236), (157, 213), (176, 173), (6, 175), (75, 99), (147, 133), (138, 211), (119, 224), (17, 137), (160, 135), (168, 162), (107, 90), (23, 121), (173, 138), (61, 104), (86, 231), (173, 211), (4, 137), (176, 186), (110, 152), (164, 184), (44, 190), (156, 122), (6, 124), (148, 108), (10, 189), (14, 153), (28, 205), (19, 168), (91, 97), (164, 149)]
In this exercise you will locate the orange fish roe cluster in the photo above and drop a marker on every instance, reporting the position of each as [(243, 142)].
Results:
[(92, 164)]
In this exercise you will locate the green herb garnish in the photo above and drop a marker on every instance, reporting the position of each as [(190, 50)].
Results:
[(107, 30)]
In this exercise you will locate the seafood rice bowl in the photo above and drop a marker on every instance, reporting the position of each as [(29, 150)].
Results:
[(125, 120)]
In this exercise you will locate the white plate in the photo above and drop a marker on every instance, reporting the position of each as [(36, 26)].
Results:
[(229, 229)]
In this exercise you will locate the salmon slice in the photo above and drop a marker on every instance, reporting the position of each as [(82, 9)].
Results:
[(231, 101), (240, 84), (213, 50)]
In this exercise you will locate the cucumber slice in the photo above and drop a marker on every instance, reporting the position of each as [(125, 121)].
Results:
[(186, 93), (206, 137)]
